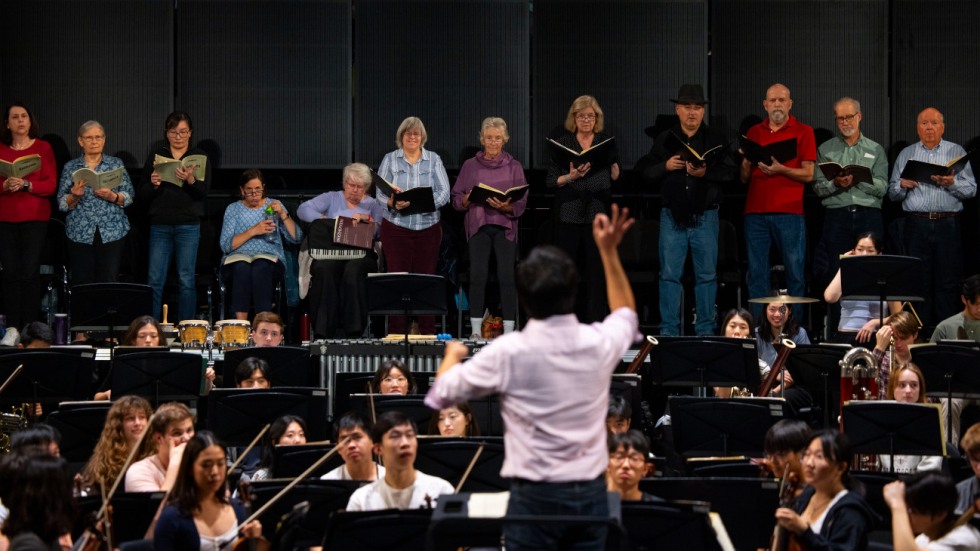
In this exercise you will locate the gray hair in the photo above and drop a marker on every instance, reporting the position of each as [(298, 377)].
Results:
[(856, 103), (410, 123), (494, 122), (357, 171), (89, 124)]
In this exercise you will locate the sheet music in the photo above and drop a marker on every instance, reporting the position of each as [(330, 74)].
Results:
[(488, 505)]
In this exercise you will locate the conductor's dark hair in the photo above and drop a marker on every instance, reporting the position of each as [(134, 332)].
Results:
[(631, 439), (619, 407), (971, 288), (788, 435), (387, 421), (547, 282), (37, 488)]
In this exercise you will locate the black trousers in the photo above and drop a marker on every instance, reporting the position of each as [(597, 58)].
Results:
[(338, 298), (20, 256)]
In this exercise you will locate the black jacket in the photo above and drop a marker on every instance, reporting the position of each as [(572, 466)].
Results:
[(846, 526), (169, 204)]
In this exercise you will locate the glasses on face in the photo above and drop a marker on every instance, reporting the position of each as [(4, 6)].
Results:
[(635, 459), (493, 139), (589, 117), (413, 134), (93, 138), (845, 118), (180, 133), (253, 192), (394, 380), (777, 310)]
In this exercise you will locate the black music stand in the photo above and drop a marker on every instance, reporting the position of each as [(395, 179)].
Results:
[(132, 513), (292, 461), (347, 384), (448, 458), (668, 526), (80, 425), (385, 530), (236, 414), (412, 405), (746, 505), (108, 306), (324, 497), (406, 294), (486, 413), (288, 365), (814, 366), (167, 376), (705, 361), (48, 377), (713, 426), (947, 367), (890, 428), (881, 277)]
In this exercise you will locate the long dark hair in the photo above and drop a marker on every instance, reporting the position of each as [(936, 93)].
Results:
[(790, 326), (837, 449), (185, 494), (386, 368), (6, 136), (129, 339), (472, 428), (278, 428), (37, 488)]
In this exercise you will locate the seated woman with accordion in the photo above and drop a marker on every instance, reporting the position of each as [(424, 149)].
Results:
[(338, 299)]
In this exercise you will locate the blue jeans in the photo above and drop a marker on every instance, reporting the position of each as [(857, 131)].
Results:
[(180, 242), (557, 498), (674, 243), (788, 232)]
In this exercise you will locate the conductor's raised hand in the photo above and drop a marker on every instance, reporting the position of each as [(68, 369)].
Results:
[(608, 231)]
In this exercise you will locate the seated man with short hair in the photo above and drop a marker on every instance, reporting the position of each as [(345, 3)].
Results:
[(268, 329), (620, 414), (252, 373), (402, 487), (357, 452), (36, 335), (628, 453)]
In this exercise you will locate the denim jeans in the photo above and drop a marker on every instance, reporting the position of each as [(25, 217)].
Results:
[(586, 498), (675, 240), (788, 233), (180, 242)]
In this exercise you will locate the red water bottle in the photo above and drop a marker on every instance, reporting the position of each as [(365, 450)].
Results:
[(304, 327)]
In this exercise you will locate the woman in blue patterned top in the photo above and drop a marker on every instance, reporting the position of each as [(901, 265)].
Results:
[(411, 242), (96, 223), (251, 238)]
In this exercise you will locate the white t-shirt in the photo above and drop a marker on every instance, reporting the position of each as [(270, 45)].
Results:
[(961, 538), (340, 473), (817, 524), (378, 495), (146, 475)]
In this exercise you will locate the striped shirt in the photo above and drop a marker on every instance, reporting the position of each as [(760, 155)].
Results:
[(928, 196), (427, 171)]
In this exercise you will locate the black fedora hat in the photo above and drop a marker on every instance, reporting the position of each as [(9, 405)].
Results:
[(690, 93)]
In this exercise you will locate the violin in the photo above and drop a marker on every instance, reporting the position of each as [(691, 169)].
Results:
[(782, 539), (246, 494)]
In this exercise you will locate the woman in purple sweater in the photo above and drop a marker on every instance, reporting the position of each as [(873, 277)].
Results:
[(491, 225)]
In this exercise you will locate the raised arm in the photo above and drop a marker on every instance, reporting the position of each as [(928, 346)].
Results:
[(608, 232)]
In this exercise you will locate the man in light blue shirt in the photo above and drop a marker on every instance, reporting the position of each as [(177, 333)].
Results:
[(932, 208)]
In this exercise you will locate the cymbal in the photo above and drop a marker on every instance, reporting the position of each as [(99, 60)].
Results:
[(785, 299)]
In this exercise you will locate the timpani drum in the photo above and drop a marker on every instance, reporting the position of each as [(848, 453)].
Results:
[(232, 333), (193, 333)]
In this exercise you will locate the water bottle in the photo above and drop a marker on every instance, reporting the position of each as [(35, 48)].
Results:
[(271, 215), (61, 329)]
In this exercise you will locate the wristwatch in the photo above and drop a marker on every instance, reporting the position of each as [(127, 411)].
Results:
[(27, 186)]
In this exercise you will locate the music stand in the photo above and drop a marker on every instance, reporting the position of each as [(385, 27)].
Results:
[(881, 277), (292, 461), (108, 306), (746, 505), (324, 496), (288, 365), (412, 405), (705, 361), (448, 457), (48, 376), (384, 530), (167, 376), (234, 414), (80, 425), (406, 294), (347, 384), (486, 414), (890, 428), (132, 513), (814, 366), (668, 526), (714, 426), (947, 367)]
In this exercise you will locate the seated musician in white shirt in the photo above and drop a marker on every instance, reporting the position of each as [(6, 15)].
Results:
[(358, 453), (338, 301), (401, 487)]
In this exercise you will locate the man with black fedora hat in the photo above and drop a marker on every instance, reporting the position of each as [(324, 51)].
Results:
[(691, 189)]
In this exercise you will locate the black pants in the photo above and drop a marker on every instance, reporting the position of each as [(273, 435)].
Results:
[(252, 284), (492, 238), (338, 298), (576, 240), (20, 256), (95, 263)]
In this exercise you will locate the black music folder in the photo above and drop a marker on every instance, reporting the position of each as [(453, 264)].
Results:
[(755, 152), (599, 156), (421, 198), (921, 171), (676, 145)]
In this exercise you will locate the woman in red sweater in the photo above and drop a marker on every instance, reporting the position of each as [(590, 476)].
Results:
[(24, 212)]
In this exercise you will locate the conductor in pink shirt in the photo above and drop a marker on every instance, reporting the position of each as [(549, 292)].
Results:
[(552, 379)]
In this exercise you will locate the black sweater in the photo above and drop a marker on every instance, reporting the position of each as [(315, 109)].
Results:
[(845, 528), (170, 204)]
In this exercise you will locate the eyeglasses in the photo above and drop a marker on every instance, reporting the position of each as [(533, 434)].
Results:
[(635, 459), (253, 192), (591, 117), (777, 309), (181, 133), (493, 139), (394, 380), (93, 138), (847, 118)]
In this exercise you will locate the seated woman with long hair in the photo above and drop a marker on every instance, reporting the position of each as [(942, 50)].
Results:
[(123, 429), (908, 385), (200, 515), (288, 430), (828, 515), (393, 377), (455, 420), (923, 518)]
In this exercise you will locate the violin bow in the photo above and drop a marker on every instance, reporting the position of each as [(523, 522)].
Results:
[(11, 378), (469, 468), (249, 447)]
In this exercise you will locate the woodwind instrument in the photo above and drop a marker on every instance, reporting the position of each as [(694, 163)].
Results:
[(776, 368), (641, 356)]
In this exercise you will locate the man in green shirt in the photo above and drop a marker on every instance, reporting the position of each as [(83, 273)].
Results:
[(853, 206)]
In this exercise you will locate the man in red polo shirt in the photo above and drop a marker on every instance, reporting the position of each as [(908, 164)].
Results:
[(774, 206)]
